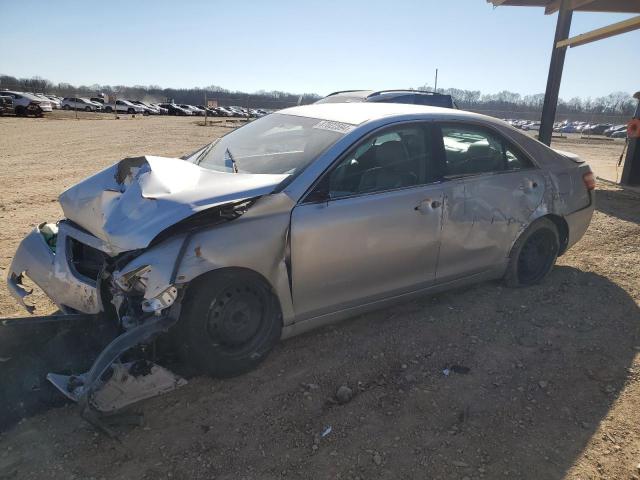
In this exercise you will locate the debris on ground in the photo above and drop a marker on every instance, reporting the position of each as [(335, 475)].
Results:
[(344, 394)]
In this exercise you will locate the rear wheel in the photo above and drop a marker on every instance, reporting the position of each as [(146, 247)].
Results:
[(533, 255), (230, 322), (87, 108), (21, 111), (66, 107), (108, 110), (131, 111)]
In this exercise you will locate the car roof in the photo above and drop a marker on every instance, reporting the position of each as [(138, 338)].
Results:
[(357, 113)]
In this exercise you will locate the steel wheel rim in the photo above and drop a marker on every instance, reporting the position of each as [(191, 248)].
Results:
[(236, 317)]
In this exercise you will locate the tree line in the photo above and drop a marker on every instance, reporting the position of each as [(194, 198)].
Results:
[(616, 103)]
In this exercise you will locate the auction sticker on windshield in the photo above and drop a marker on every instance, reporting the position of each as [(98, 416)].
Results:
[(340, 127)]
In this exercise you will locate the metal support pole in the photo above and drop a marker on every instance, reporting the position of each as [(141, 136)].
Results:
[(555, 74), (631, 169), (206, 107)]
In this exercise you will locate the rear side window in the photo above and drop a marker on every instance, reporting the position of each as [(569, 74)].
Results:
[(471, 150)]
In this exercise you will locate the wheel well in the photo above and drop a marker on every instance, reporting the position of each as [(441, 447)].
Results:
[(563, 231), (233, 270)]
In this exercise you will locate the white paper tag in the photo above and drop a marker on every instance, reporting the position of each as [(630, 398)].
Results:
[(340, 127)]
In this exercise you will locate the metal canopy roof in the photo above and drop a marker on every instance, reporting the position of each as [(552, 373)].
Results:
[(552, 6), (565, 9)]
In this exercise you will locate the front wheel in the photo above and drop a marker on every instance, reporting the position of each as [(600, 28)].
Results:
[(533, 255), (87, 108), (108, 109), (230, 322)]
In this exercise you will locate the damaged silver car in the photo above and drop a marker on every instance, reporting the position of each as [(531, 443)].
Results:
[(300, 218)]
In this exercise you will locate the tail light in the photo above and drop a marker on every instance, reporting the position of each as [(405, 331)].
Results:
[(589, 180)]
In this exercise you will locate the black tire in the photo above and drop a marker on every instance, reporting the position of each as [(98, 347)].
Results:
[(66, 107), (108, 109), (87, 108), (131, 111), (230, 321), (21, 111), (533, 255)]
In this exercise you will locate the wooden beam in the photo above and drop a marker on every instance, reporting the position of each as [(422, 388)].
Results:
[(600, 33), (554, 5), (551, 6)]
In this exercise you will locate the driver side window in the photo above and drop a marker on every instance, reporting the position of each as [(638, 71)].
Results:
[(395, 158)]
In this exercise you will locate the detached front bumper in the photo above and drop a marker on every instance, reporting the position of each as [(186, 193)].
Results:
[(53, 271)]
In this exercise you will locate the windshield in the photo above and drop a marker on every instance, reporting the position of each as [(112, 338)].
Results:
[(275, 144)]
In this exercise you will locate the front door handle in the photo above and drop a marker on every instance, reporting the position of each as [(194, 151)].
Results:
[(528, 186), (427, 204)]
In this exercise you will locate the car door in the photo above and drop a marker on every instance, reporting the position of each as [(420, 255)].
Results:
[(502, 189), (370, 228)]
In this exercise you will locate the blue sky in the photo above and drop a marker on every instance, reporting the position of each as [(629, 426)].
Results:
[(307, 46)]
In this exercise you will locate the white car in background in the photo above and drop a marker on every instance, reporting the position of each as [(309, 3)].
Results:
[(26, 104), (149, 108), (55, 101), (163, 110), (531, 126), (123, 106), (74, 103), (192, 109)]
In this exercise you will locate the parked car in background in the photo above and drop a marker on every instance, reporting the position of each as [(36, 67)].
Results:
[(80, 103), (235, 111), (99, 100), (414, 97), (151, 109), (306, 216), (162, 110), (223, 112), (619, 133), (146, 109), (615, 128), (177, 110), (6, 104), (210, 111), (25, 104), (531, 126), (56, 102), (123, 106), (192, 109), (596, 129)]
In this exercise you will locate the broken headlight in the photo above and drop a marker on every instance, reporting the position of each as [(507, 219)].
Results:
[(134, 280)]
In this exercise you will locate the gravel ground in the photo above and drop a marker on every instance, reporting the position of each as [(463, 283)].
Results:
[(542, 384)]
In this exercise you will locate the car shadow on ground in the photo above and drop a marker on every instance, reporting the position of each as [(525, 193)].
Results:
[(531, 374), (545, 365), (622, 203)]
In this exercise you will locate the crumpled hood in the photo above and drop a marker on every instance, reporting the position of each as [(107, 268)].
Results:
[(129, 203)]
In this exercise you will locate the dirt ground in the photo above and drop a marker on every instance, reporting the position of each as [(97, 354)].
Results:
[(545, 384)]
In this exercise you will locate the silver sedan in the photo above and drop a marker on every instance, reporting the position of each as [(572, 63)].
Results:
[(300, 218)]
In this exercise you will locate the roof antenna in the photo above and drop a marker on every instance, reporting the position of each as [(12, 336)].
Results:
[(435, 89)]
